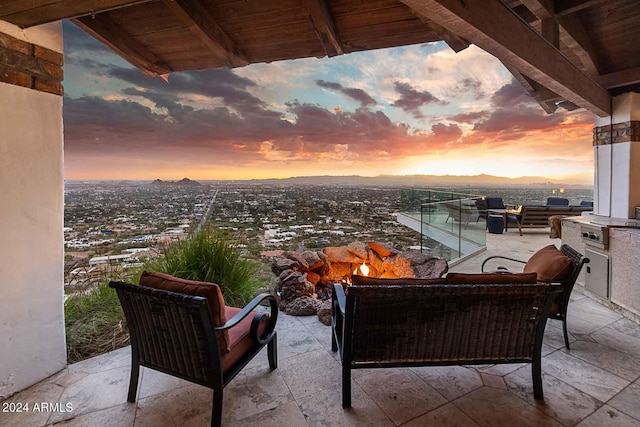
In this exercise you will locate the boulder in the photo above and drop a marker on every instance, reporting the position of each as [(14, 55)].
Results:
[(399, 266), (324, 312), (340, 254), (295, 256), (382, 249), (416, 257), (312, 259), (435, 267), (359, 249), (279, 264), (339, 270), (303, 306), (313, 278)]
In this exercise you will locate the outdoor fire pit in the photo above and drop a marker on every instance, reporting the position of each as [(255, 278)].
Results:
[(303, 281)]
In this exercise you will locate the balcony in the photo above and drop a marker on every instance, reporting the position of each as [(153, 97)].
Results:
[(449, 223), (596, 383)]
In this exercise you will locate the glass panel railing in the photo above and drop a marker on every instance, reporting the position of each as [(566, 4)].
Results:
[(453, 228)]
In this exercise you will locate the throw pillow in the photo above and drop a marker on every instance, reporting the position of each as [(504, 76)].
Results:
[(550, 264)]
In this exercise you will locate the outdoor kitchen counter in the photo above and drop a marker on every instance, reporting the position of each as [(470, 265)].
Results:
[(623, 251)]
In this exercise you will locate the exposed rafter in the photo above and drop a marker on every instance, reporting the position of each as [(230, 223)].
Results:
[(104, 29), (576, 38), (455, 42), (498, 30), (567, 7), (202, 25), (16, 12), (320, 15), (536, 90), (620, 78), (572, 32)]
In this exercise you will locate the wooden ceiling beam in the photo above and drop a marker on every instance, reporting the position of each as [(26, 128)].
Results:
[(201, 24), (573, 33), (29, 13), (108, 32), (567, 7), (322, 20), (620, 78), (455, 42), (497, 29), (535, 89), (575, 36)]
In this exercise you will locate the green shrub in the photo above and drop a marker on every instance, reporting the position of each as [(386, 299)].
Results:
[(94, 323), (210, 256)]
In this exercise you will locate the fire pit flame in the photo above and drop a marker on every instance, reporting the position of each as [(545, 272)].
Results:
[(364, 270)]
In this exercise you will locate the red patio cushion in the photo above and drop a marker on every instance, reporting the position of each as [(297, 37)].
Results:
[(239, 339)]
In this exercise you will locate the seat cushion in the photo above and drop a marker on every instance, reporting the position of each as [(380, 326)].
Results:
[(239, 337), (550, 264), (492, 278), (374, 281), (208, 290)]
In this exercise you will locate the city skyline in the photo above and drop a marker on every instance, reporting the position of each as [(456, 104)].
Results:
[(412, 110)]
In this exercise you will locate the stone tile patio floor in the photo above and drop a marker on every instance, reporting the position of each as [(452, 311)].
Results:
[(596, 383)]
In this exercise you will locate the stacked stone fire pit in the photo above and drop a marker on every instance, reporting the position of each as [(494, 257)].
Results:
[(303, 280)]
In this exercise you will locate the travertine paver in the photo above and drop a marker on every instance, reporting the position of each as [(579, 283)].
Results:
[(596, 383)]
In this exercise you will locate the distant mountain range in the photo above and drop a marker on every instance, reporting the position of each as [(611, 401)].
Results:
[(434, 180), (184, 182)]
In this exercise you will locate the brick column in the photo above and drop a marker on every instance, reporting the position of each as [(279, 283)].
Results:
[(616, 145)]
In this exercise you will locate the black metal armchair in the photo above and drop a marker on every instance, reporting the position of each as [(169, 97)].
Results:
[(174, 333), (561, 303)]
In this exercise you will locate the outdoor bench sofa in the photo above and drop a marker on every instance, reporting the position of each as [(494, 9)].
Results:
[(380, 323), (538, 216)]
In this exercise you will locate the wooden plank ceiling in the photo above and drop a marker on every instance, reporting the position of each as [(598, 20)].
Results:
[(568, 53)]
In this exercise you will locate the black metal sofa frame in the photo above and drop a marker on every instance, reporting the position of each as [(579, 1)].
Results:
[(433, 325), (566, 285), (173, 333)]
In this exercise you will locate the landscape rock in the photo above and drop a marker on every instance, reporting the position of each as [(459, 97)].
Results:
[(399, 266), (296, 257), (340, 254), (303, 306), (382, 249), (359, 249), (433, 268), (279, 264), (312, 259), (324, 312)]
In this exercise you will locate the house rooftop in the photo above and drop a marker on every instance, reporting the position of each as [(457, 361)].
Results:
[(595, 383)]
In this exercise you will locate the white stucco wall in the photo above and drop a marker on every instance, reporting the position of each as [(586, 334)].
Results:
[(32, 340), (616, 189)]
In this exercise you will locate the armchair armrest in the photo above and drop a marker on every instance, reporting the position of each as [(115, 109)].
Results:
[(341, 298), (500, 257), (246, 310)]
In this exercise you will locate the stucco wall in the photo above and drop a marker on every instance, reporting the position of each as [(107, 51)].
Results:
[(32, 340)]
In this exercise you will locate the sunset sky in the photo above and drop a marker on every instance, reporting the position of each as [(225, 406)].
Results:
[(421, 109)]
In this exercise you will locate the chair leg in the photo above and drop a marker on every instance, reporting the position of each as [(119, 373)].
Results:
[(536, 373), (216, 411), (564, 330), (133, 381), (346, 385), (334, 342), (272, 351)]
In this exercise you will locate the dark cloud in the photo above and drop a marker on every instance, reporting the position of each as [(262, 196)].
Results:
[(509, 95), (411, 100), (469, 117), (356, 94), (76, 39)]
